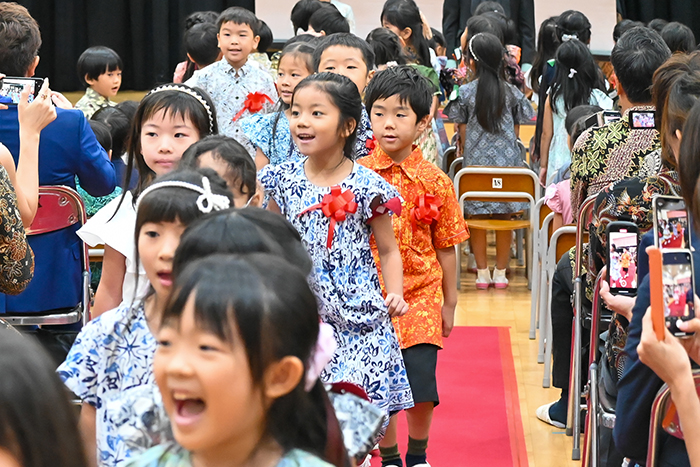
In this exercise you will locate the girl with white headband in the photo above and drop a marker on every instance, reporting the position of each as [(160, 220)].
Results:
[(113, 354), (168, 120)]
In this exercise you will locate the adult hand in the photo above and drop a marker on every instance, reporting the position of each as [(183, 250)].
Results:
[(691, 344), (34, 116), (448, 320), (60, 100), (396, 305), (618, 303), (667, 358)]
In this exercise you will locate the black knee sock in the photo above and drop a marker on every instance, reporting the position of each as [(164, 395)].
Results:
[(416, 451), (391, 456)]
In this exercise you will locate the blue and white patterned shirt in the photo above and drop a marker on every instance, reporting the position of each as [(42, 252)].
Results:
[(229, 89), (112, 354)]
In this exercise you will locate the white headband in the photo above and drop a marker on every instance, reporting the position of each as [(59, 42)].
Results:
[(191, 92), (206, 202), (471, 51)]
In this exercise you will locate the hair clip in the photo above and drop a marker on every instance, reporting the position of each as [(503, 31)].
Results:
[(206, 202), (572, 72), (471, 50), (568, 37), (191, 92)]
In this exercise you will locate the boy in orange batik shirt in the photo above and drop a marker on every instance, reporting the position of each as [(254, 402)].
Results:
[(398, 100)]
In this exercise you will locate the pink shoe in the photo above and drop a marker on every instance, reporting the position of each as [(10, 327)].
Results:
[(499, 279), (483, 279)]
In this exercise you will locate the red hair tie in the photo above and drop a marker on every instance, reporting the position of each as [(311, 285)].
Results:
[(426, 210), (253, 103), (335, 206)]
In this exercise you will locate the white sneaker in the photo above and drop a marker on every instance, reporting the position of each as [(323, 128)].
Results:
[(499, 278), (367, 462), (483, 279)]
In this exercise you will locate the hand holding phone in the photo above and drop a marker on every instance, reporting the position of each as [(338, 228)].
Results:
[(11, 88)]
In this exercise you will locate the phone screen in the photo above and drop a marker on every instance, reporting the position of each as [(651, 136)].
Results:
[(678, 289), (610, 116), (642, 119), (12, 87), (623, 261), (671, 223)]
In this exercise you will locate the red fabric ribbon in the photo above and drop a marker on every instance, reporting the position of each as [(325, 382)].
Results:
[(426, 210), (253, 103), (335, 206), (370, 144)]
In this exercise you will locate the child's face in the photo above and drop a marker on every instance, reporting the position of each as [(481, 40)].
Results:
[(107, 84), (236, 42), (218, 165), (346, 61), (207, 387), (314, 123), (164, 138), (157, 244), (291, 70), (395, 126)]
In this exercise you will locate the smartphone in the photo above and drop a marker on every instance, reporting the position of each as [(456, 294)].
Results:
[(642, 119), (623, 241), (678, 289), (11, 88), (610, 116), (670, 223)]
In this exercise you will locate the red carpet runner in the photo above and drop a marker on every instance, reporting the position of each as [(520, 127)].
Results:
[(478, 420)]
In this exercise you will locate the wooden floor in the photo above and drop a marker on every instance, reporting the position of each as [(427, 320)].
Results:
[(546, 446)]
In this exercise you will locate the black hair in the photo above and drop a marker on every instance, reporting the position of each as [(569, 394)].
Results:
[(547, 44), (624, 26), (689, 173), (38, 425), (576, 75), (635, 58), (491, 88), (438, 38), (308, 39), (657, 24), (129, 108), (302, 11), (266, 37), (405, 14), (682, 96), (175, 103), (199, 17), (248, 230), (482, 24), (386, 46), (580, 112), (96, 61), (118, 124), (263, 303), (201, 44), (102, 134), (241, 169), (678, 37), (329, 20), (344, 95), (510, 32), (239, 15), (403, 81), (345, 40), (488, 7), (574, 23)]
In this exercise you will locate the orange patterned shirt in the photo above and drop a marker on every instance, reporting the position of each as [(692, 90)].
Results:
[(419, 232)]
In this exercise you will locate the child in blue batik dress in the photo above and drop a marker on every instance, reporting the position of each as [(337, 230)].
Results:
[(336, 205), (270, 132)]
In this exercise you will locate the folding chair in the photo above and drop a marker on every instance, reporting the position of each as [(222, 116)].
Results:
[(661, 418), (560, 243), (501, 184), (540, 250), (60, 207), (573, 425), (455, 166), (448, 158)]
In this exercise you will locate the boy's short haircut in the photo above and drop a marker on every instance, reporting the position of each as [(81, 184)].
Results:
[(239, 15), (199, 17), (19, 39), (118, 123), (96, 61), (102, 134), (266, 37), (329, 20), (403, 81), (241, 168), (201, 43), (302, 11), (344, 39)]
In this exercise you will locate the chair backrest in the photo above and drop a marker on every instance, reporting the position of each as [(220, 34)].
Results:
[(585, 215), (544, 211), (508, 184), (59, 207), (455, 166), (563, 239), (448, 157)]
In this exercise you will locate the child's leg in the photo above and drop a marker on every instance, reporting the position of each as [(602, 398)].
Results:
[(478, 244), (388, 446), (503, 241), (419, 418)]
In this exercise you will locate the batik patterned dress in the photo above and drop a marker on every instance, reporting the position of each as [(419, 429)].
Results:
[(345, 279)]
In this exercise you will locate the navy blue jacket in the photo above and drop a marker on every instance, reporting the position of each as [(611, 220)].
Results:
[(67, 148)]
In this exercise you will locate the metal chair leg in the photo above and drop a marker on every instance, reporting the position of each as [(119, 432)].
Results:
[(573, 427)]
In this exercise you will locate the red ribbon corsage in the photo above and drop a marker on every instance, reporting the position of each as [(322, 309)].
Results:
[(426, 210), (253, 103), (335, 206), (370, 144)]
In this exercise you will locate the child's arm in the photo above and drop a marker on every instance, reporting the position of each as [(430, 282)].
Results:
[(546, 141), (88, 430), (261, 159), (461, 138), (447, 257), (390, 261), (109, 292)]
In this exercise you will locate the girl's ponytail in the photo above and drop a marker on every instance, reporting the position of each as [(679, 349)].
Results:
[(405, 14), (577, 74), (487, 52)]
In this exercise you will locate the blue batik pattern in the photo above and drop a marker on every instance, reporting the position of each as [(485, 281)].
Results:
[(345, 280), (277, 146)]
